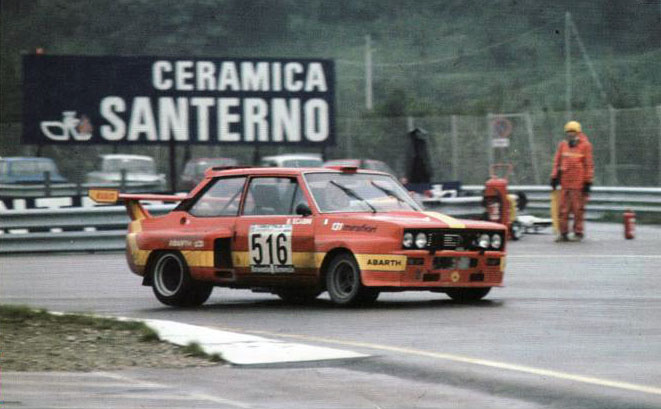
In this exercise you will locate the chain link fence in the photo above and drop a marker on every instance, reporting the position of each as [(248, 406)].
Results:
[(627, 146)]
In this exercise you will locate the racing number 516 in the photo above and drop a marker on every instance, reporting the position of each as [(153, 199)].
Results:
[(280, 249)]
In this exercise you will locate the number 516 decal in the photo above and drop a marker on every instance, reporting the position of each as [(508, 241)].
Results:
[(270, 248)]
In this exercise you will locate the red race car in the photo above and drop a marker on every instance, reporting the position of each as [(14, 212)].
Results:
[(299, 232)]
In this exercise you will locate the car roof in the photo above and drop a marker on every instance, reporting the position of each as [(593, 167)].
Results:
[(271, 171), (125, 156)]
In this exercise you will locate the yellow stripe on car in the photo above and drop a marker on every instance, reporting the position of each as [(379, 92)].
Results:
[(450, 221)]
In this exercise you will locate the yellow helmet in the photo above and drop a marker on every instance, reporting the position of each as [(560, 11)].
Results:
[(573, 126)]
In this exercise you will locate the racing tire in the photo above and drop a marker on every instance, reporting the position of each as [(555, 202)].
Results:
[(344, 285), (298, 295), (467, 294), (516, 230), (173, 285)]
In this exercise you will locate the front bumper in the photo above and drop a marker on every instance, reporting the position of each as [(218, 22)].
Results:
[(442, 269)]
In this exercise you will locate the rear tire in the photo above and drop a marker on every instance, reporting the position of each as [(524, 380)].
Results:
[(173, 285), (467, 294), (344, 285)]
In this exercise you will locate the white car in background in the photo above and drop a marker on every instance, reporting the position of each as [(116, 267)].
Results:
[(294, 160), (140, 170)]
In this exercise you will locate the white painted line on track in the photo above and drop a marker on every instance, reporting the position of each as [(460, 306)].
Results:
[(584, 256), (475, 361)]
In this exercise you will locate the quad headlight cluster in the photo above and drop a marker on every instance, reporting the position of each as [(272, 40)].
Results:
[(418, 240), (486, 241)]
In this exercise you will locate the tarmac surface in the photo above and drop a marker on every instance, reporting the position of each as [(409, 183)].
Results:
[(577, 326)]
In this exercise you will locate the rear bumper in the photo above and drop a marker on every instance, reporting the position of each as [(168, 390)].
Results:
[(442, 269)]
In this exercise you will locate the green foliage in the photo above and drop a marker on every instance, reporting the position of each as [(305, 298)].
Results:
[(472, 57)]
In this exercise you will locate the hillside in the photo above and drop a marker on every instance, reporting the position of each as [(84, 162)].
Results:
[(430, 57)]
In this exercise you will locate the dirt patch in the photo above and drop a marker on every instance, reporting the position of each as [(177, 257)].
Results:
[(38, 341)]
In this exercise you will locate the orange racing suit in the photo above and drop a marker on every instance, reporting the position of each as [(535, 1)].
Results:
[(574, 167)]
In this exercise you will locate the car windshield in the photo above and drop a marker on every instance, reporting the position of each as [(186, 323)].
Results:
[(131, 165), (358, 192), (32, 167), (302, 163)]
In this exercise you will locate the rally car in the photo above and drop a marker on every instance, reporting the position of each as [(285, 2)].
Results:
[(297, 232)]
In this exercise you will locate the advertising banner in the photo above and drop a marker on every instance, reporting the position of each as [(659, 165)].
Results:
[(152, 100)]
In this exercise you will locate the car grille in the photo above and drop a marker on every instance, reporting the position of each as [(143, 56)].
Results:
[(465, 240)]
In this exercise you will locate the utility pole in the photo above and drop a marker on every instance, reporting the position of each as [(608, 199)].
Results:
[(568, 81), (368, 73)]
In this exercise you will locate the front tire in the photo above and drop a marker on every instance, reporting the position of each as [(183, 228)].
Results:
[(344, 285), (173, 285), (467, 294)]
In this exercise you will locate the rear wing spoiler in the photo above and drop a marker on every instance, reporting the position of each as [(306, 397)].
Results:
[(131, 200)]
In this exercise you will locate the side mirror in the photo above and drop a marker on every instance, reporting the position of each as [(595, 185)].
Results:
[(303, 209)]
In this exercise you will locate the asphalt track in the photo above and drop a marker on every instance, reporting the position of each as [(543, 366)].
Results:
[(577, 326)]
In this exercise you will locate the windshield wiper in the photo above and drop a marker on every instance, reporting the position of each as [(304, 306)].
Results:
[(389, 192), (353, 194)]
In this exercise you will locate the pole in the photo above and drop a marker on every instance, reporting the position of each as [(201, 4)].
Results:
[(658, 114), (455, 148), (531, 143), (613, 157), (368, 72), (173, 165), (489, 138), (568, 81)]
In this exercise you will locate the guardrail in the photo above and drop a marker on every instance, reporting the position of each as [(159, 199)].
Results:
[(104, 227)]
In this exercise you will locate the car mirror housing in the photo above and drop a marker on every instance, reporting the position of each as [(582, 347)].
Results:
[(303, 209)]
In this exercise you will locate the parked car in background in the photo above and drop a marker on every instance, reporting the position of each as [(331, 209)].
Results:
[(28, 170), (370, 164), (139, 169), (294, 160), (194, 170)]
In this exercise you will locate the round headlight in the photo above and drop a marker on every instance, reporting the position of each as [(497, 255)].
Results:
[(484, 241), (420, 240), (496, 241), (407, 241)]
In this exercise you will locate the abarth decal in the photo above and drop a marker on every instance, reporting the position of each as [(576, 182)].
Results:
[(450, 221), (381, 262), (270, 248)]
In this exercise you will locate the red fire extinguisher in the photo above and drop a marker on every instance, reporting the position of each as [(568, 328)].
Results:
[(629, 224)]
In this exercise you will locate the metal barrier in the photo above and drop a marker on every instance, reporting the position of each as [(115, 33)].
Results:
[(104, 227)]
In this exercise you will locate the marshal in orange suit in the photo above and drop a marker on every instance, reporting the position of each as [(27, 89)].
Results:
[(573, 170)]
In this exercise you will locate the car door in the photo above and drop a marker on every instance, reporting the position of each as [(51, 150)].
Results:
[(273, 245)]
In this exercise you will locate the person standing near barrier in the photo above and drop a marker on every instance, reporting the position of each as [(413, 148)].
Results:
[(573, 170)]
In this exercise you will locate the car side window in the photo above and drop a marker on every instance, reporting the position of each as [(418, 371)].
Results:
[(221, 199), (272, 196)]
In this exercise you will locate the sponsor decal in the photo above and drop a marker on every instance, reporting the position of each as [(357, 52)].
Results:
[(299, 221), (384, 262), (184, 100), (182, 243), (363, 228), (381, 262)]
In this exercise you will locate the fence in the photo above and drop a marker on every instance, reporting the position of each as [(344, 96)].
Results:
[(104, 227), (627, 146)]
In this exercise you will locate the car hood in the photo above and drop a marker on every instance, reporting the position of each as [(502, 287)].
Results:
[(423, 220)]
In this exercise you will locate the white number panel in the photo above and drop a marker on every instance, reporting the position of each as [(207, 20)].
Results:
[(270, 248)]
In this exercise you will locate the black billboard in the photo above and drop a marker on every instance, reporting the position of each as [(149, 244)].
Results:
[(151, 100)]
